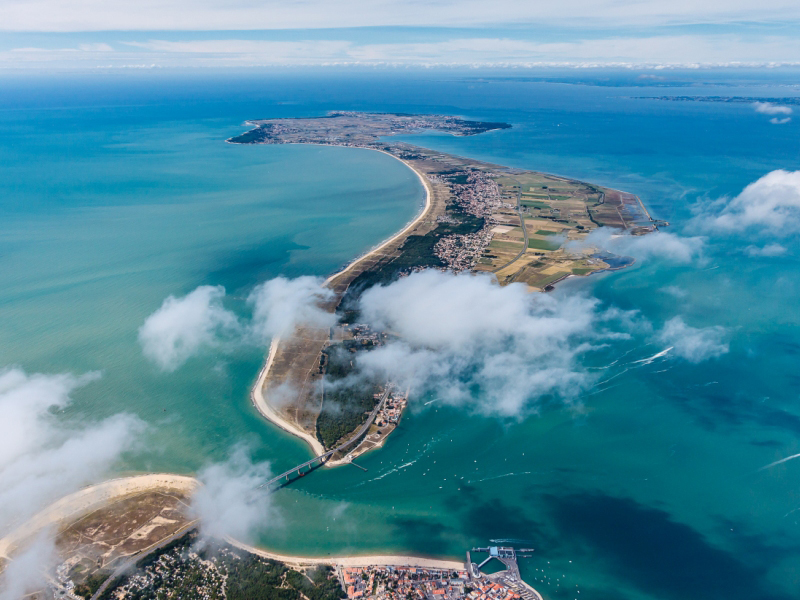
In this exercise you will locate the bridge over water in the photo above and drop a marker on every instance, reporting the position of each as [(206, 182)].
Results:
[(318, 461)]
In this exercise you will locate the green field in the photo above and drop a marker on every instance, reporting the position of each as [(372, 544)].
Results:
[(534, 203), (505, 246), (543, 244), (548, 279), (545, 232)]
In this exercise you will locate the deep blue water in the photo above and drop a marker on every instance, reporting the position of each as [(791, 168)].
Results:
[(116, 191)]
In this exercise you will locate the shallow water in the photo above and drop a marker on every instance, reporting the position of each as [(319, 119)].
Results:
[(116, 193)]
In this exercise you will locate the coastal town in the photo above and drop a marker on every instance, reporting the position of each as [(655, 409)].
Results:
[(420, 583)]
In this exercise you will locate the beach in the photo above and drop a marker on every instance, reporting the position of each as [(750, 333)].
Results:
[(257, 394), (91, 498), (78, 504), (269, 413), (353, 561), (413, 223)]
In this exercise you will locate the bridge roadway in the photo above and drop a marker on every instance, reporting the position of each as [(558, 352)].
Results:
[(323, 457)]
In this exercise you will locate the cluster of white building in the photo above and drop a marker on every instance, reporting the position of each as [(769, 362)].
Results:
[(166, 573), (461, 252), (392, 409), (479, 197)]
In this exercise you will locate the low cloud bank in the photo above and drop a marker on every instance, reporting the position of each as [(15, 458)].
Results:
[(498, 350), (184, 327), (694, 344), (181, 327), (43, 458), (501, 350), (769, 205), (279, 305), (26, 573), (660, 244), (230, 503), (768, 108), (773, 249)]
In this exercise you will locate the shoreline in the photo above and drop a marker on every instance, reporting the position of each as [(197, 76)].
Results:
[(365, 560), (257, 395), (93, 497), (89, 499), (410, 225), (269, 413)]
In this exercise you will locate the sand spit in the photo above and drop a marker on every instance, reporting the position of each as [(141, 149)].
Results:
[(257, 395), (74, 506), (91, 498), (272, 415)]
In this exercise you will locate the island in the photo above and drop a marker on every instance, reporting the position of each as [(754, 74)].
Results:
[(518, 224)]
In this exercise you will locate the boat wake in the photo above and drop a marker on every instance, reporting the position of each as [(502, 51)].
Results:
[(650, 359), (779, 462)]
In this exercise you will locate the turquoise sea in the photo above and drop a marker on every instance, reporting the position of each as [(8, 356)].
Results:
[(118, 190)]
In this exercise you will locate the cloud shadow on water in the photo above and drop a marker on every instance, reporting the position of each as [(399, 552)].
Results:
[(424, 535), (659, 555), (242, 269)]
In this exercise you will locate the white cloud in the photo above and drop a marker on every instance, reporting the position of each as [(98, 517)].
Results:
[(768, 108), (42, 457), (280, 304), (230, 503), (770, 204), (675, 291), (181, 327), (777, 121), (773, 249), (497, 349), (26, 573), (426, 47), (660, 244), (94, 15), (95, 47), (694, 344)]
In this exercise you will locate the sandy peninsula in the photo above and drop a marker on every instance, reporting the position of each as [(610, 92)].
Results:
[(272, 415), (88, 499), (257, 394), (74, 506)]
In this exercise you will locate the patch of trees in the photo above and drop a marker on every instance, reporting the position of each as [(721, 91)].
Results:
[(346, 405), (320, 584), (253, 578), (92, 584), (417, 251)]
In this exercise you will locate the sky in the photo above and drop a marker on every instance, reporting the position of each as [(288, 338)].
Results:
[(90, 34)]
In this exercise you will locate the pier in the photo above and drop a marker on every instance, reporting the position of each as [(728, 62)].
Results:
[(510, 577)]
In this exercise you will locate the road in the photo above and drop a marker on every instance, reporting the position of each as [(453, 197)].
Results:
[(323, 457), (524, 235)]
